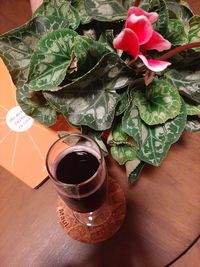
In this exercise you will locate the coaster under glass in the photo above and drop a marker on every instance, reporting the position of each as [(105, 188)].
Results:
[(94, 234)]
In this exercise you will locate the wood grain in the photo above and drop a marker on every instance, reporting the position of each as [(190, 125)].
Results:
[(163, 215), (112, 217), (195, 6), (164, 204), (13, 13), (191, 258), (163, 218)]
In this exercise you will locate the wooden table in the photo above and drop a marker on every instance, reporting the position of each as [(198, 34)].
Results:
[(163, 209)]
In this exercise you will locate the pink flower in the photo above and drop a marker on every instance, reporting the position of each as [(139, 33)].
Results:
[(139, 37), (151, 16)]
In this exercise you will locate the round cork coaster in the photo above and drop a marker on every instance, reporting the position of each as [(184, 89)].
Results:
[(95, 234)]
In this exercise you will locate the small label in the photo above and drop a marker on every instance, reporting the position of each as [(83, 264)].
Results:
[(62, 217), (17, 120)]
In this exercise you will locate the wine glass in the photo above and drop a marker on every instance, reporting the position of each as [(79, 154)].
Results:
[(77, 168)]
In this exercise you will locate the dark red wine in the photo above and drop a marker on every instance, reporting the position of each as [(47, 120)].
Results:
[(77, 167)]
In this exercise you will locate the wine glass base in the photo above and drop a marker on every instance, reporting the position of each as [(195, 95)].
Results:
[(97, 217), (94, 234)]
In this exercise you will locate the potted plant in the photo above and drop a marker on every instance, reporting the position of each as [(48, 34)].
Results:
[(126, 68)]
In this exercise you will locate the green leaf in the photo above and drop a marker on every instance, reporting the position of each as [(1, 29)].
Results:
[(51, 59), (178, 9), (17, 46), (108, 10), (107, 38), (185, 13), (79, 5), (187, 82), (192, 109), (111, 70), (174, 17), (53, 8), (193, 124), (160, 7), (96, 135), (94, 109), (123, 148), (154, 141), (194, 32), (158, 102), (122, 153), (123, 103), (91, 102), (176, 32), (88, 53), (118, 135), (61, 9), (35, 105), (44, 114), (137, 167)]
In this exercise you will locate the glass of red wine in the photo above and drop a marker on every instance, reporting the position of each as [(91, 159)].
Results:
[(77, 168)]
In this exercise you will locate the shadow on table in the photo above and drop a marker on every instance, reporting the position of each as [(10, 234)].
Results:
[(127, 248)]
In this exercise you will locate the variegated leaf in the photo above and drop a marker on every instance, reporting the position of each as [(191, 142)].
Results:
[(107, 38), (154, 141), (187, 82), (179, 9), (191, 108), (51, 59), (136, 166), (111, 70), (87, 53), (123, 103), (80, 7), (118, 135), (34, 105), (122, 146), (97, 136), (61, 9), (193, 124), (160, 7), (194, 32), (176, 33), (131, 165), (123, 153), (93, 107), (108, 10), (158, 103), (17, 46)]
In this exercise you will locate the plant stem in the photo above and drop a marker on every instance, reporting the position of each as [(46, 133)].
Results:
[(178, 49), (137, 2), (131, 62), (169, 54), (136, 82)]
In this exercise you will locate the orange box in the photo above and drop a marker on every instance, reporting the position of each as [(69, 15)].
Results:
[(24, 142)]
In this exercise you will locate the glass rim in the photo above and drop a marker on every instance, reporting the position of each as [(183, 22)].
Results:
[(87, 180)]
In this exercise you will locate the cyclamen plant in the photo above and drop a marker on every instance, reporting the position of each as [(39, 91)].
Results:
[(129, 68), (139, 37)]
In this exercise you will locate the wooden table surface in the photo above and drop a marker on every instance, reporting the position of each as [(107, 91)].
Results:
[(163, 208)]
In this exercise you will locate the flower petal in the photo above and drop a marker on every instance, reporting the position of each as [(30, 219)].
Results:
[(151, 16), (127, 41), (154, 65), (157, 42), (141, 26)]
